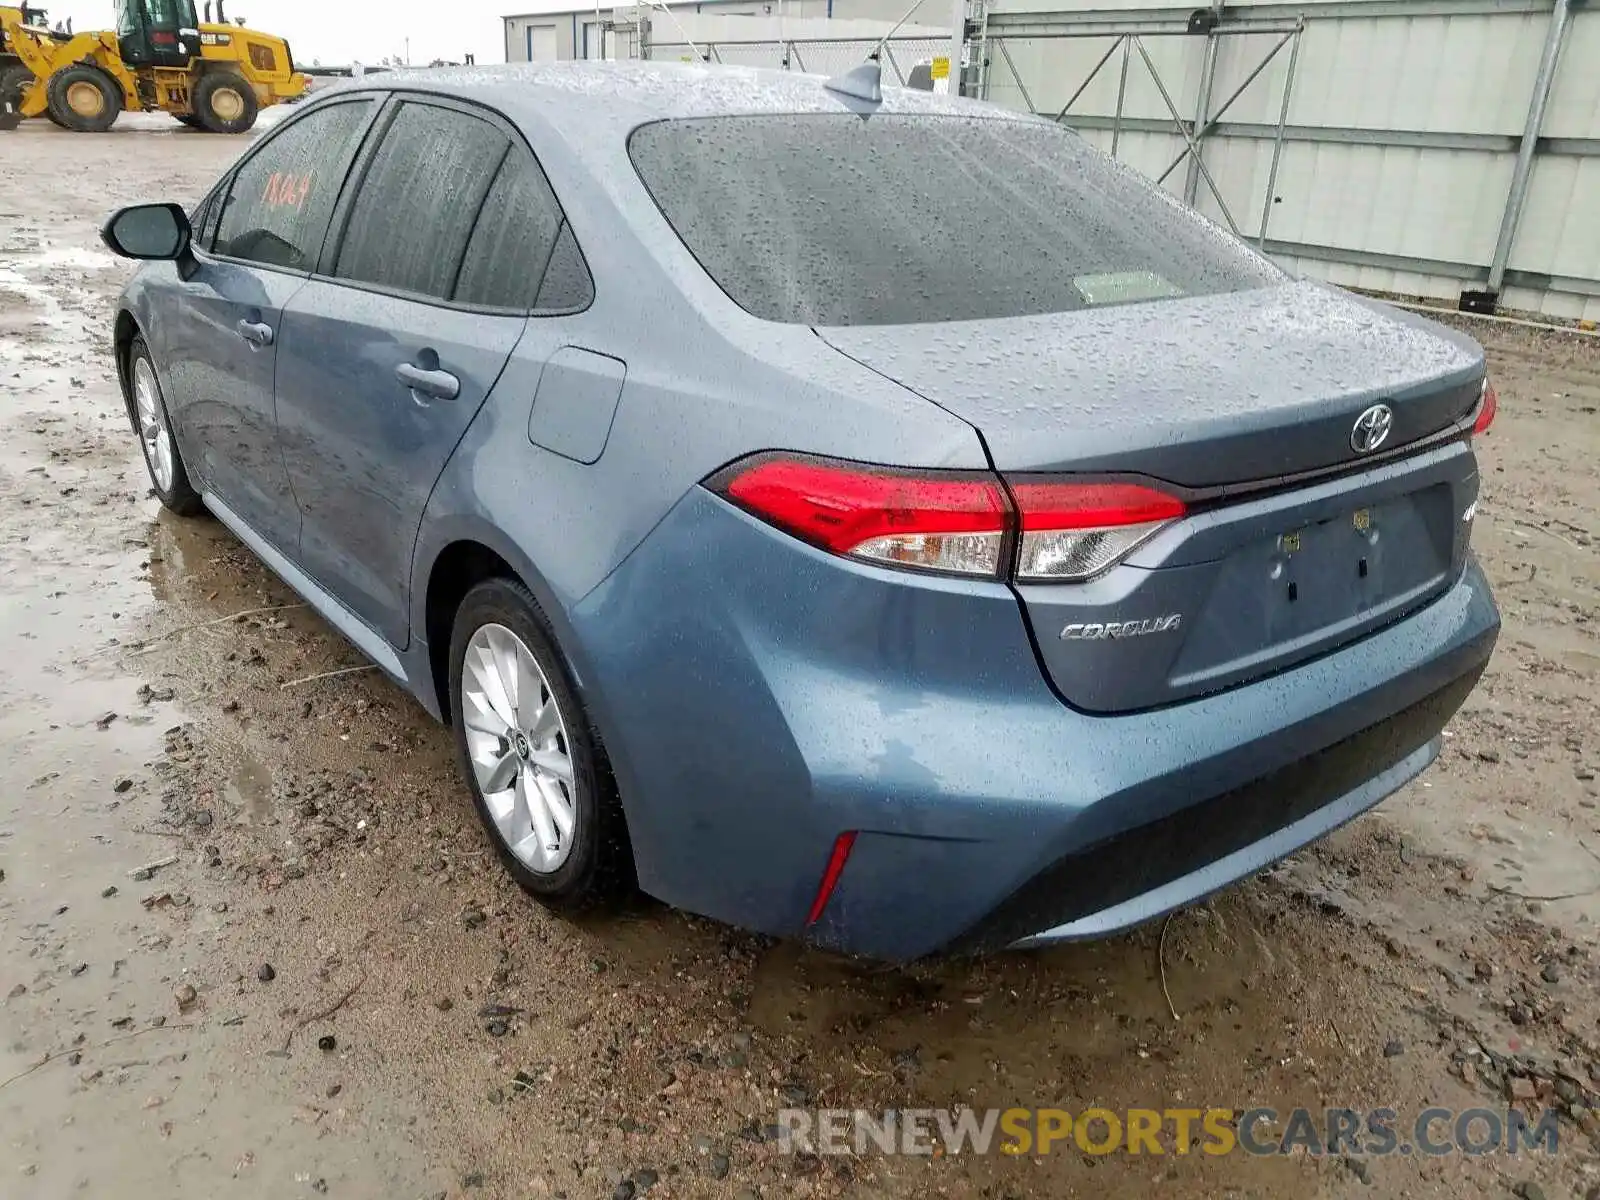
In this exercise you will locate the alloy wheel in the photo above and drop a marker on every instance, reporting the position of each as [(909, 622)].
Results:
[(518, 746), (154, 435)]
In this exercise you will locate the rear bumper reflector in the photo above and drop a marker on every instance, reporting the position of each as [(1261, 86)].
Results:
[(842, 846)]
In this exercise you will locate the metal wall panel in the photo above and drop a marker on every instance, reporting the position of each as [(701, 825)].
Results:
[(1401, 134), (1575, 103)]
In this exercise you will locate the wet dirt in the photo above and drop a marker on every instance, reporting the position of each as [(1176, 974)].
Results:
[(331, 988)]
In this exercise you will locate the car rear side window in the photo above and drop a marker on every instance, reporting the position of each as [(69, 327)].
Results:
[(831, 219), (420, 200), (510, 249), (567, 284), (278, 206)]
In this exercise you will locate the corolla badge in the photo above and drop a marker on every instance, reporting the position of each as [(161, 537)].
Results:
[(1094, 631), (1372, 429)]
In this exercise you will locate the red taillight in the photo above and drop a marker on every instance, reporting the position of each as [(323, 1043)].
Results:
[(952, 522), (1487, 407), (1072, 531), (162, 38), (842, 846)]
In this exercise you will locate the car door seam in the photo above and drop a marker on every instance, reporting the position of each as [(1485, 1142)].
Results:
[(277, 426), (414, 636)]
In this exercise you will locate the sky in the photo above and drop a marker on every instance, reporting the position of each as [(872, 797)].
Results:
[(341, 31)]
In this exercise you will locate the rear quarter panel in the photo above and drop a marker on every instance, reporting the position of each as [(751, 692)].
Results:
[(706, 384)]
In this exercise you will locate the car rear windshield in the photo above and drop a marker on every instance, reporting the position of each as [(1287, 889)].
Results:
[(835, 219)]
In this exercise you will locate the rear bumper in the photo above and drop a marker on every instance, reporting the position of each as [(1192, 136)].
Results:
[(1152, 869), (760, 698)]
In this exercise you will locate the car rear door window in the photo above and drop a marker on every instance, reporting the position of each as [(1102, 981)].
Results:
[(567, 285), (418, 204), (278, 206), (510, 249)]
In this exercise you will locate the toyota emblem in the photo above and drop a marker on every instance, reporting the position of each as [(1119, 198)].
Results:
[(1372, 429)]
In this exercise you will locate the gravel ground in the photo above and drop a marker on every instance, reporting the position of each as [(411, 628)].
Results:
[(324, 984)]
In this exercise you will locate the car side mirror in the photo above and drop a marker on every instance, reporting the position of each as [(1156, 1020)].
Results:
[(148, 231)]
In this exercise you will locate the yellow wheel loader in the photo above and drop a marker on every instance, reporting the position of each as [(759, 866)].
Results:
[(161, 58)]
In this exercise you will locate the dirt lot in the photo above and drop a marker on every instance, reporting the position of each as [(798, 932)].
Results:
[(328, 987)]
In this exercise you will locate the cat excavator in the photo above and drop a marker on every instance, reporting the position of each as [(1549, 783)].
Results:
[(161, 57)]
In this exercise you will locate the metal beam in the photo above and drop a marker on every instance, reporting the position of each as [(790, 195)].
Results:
[(1088, 79), (958, 44), (1512, 217), (1202, 105), (1466, 272), (1493, 143), (1122, 95), (1046, 26), (899, 76), (1155, 78), (1216, 117), (1015, 74), (833, 41), (1537, 282), (1005, 20), (1277, 144), (1375, 258)]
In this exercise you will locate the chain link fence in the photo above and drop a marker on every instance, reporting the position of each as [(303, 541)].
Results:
[(815, 56)]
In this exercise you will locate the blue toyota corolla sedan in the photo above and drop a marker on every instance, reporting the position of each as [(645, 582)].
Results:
[(883, 522)]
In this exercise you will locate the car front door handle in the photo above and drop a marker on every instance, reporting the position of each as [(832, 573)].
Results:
[(255, 332), (441, 385)]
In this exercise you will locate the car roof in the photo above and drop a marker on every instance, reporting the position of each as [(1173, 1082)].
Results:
[(572, 96)]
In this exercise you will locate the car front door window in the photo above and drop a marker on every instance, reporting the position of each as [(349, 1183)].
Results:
[(278, 207), (230, 323)]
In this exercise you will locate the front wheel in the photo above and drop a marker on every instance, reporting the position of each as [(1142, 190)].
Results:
[(14, 81), (539, 775), (225, 103), (84, 99), (148, 409)]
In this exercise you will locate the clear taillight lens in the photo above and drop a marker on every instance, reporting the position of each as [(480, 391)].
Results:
[(1073, 531), (952, 522)]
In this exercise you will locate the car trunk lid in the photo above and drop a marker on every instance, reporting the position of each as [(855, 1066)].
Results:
[(1295, 541), (1202, 392)]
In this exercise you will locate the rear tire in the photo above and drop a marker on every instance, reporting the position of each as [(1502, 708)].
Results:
[(84, 99), (225, 103), (14, 80), (147, 409), (572, 869), (190, 122)]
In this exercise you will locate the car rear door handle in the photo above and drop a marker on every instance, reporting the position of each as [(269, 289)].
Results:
[(441, 385), (255, 332)]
